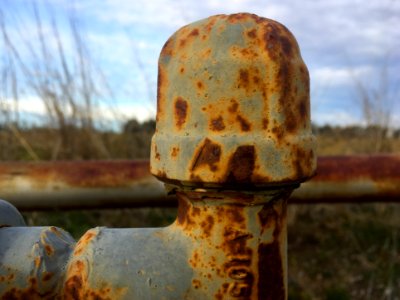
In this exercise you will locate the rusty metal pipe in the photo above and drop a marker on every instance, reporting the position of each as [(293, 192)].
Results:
[(121, 184), (222, 246), (239, 145), (352, 179), (233, 117)]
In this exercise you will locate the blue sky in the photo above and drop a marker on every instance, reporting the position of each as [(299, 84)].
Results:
[(342, 42)]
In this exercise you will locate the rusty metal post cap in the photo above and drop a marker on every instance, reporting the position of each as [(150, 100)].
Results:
[(233, 105)]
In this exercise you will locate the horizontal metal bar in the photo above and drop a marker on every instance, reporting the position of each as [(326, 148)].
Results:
[(117, 184)]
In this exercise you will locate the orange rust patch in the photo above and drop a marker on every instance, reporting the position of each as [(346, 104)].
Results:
[(239, 289), (271, 281), (84, 242), (195, 178), (47, 276), (184, 213), (156, 153), (233, 107), (183, 41), (73, 287), (76, 286), (222, 291), (161, 174), (252, 33), (175, 151), (196, 283), (234, 18), (278, 132), (241, 164), (161, 83), (244, 124), (181, 108), (295, 107), (270, 262), (217, 124), (279, 42), (209, 154), (244, 81), (200, 85), (30, 292), (55, 230), (207, 225), (265, 123), (194, 32), (37, 261), (302, 161), (49, 250)]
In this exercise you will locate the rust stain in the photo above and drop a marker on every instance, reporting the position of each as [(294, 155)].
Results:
[(194, 32), (377, 168), (241, 164), (302, 161), (265, 123), (209, 153), (222, 291), (185, 208), (244, 80), (175, 151), (73, 288), (30, 292), (85, 174), (233, 107), (235, 18), (156, 153), (278, 132), (207, 225), (49, 250), (200, 85), (183, 39), (196, 283), (252, 33), (244, 124), (84, 241), (181, 110), (249, 79), (76, 286), (47, 276), (162, 84), (271, 282), (217, 124)]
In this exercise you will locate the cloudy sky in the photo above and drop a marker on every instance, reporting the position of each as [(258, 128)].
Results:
[(345, 44)]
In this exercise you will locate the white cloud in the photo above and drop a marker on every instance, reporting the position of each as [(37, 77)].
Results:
[(339, 76), (114, 113), (31, 104), (340, 40)]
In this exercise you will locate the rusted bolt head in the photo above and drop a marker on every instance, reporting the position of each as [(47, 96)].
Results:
[(233, 105)]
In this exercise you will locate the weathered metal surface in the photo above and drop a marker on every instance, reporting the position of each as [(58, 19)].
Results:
[(32, 261), (9, 215), (222, 246), (233, 105), (238, 92), (353, 179), (38, 186), (80, 184)]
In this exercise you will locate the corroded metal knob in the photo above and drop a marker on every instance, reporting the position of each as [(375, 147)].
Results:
[(233, 105)]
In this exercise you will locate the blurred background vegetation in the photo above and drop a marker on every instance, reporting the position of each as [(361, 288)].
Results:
[(346, 251)]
